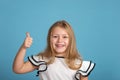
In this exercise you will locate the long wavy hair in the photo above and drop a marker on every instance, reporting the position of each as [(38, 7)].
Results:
[(71, 53)]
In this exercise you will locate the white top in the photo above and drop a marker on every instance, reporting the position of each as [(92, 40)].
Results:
[(59, 69)]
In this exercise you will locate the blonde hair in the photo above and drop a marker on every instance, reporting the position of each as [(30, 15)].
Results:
[(72, 53)]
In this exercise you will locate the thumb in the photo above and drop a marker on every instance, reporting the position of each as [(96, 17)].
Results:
[(27, 34)]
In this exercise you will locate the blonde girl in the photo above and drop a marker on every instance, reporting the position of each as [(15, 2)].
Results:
[(59, 61)]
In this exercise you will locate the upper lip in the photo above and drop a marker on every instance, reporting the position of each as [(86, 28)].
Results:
[(59, 44)]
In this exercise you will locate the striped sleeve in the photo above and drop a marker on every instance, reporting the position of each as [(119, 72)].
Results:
[(85, 69), (36, 60)]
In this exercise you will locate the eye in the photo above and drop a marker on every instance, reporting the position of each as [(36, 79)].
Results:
[(54, 36), (65, 36)]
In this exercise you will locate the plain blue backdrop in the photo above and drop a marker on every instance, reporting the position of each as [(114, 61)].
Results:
[(96, 24)]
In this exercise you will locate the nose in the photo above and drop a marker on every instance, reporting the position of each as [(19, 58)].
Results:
[(60, 39)]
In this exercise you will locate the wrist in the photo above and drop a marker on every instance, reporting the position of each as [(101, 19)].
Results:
[(23, 47)]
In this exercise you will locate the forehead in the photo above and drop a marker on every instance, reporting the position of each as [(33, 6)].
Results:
[(59, 30)]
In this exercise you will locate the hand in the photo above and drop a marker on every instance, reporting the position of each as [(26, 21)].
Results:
[(28, 41)]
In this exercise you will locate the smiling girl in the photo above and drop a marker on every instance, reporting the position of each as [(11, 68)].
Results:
[(59, 61)]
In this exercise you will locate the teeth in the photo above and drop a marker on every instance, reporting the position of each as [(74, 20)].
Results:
[(59, 45)]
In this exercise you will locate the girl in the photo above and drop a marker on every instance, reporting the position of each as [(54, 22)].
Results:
[(59, 61)]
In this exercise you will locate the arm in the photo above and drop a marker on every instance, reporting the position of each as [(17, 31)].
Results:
[(83, 78), (19, 66)]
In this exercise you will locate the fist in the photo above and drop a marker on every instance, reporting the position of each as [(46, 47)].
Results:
[(28, 41)]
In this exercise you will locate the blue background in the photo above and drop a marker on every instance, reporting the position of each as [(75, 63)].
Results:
[(96, 24)]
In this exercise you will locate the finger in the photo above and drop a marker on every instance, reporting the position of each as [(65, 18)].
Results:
[(27, 34)]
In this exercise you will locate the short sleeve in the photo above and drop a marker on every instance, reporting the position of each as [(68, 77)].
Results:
[(36, 60), (85, 69)]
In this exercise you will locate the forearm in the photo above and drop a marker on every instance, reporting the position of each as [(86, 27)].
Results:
[(19, 59), (83, 78), (19, 66)]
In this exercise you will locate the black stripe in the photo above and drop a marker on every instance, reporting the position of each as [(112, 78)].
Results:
[(87, 68), (76, 77), (42, 70), (32, 62), (35, 60), (90, 71), (59, 56)]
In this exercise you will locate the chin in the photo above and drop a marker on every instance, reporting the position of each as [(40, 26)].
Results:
[(60, 52)]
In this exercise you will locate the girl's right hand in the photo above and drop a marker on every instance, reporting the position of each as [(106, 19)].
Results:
[(19, 65), (28, 41)]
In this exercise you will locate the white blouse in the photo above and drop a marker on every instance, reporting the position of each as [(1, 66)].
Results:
[(59, 69)]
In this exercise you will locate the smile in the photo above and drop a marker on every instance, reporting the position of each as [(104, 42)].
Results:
[(59, 45)]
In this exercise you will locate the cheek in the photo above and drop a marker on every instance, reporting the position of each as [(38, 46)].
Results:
[(53, 41), (67, 42)]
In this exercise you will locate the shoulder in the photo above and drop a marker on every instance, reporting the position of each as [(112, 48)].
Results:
[(87, 66), (85, 69), (36, 60)]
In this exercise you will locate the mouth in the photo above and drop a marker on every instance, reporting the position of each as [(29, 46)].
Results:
[(60, 45)]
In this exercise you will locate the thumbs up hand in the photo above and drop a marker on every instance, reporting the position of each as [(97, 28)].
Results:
[(28, 41), (27, 34)]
